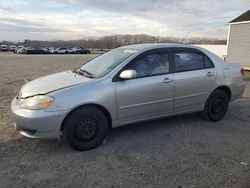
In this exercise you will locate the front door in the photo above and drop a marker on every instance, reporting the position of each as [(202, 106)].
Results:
[(151, 93)]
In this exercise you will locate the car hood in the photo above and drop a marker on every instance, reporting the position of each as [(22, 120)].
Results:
[(52, 82)]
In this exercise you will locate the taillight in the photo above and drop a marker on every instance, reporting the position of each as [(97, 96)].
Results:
[(242, 72)]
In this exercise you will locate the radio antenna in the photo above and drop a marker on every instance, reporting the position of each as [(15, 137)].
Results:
[(185, 37)]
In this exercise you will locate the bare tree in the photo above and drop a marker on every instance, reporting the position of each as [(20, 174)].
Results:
[(109, 42)]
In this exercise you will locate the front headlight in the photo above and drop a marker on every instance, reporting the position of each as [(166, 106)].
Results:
[(38, 102)]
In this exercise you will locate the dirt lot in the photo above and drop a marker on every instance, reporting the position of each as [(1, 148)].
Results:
[(183, 151)]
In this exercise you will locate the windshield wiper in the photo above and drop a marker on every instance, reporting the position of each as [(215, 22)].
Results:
[(83, 72), (77, 72)]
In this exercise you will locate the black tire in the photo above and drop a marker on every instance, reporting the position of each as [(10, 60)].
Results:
[(85, 128), (216, 106)]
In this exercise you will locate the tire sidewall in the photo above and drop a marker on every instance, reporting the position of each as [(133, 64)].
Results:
[(81, 114), (208, 107)]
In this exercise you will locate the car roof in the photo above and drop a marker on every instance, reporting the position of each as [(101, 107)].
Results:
[(155, 45), (149, 46)]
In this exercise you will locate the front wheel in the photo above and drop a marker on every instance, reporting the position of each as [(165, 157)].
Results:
[(216, 106), (85, 128)]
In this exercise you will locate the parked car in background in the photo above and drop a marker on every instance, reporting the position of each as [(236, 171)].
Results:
[(71, 50), (46, 50), (61, 51), (82, 51), (12, 48), (76, 50), (51, 49), (4, 47), (18, 48), (36, 51), (123, 86), (22, 50)]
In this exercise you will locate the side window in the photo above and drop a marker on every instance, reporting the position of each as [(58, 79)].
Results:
[(151, 64), (208, 63), (187, 61)]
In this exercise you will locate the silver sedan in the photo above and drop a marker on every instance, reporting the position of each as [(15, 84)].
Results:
[(123, 86)]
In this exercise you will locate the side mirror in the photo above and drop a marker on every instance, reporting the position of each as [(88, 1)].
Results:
[(128, 74)]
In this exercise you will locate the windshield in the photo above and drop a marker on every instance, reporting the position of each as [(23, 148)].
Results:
[(105, 63)]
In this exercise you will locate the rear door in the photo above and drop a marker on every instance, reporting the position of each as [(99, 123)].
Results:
[(194, 76)]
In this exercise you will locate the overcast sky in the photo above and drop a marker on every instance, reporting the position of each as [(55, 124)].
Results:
[(75, 19)]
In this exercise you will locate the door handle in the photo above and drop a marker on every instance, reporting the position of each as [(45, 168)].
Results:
[(209, 74), (167, 80)]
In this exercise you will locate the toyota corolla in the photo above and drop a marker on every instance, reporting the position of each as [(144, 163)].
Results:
[(123, 86)]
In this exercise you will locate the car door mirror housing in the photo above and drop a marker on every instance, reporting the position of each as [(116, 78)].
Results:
[(127, 74)]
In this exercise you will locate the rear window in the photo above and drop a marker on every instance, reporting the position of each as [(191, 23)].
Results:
[(188, 61)]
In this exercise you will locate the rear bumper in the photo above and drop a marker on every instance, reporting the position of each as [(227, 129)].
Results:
[(237, 90), (37, 123)]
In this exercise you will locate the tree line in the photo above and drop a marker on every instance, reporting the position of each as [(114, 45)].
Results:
[(109, 42)]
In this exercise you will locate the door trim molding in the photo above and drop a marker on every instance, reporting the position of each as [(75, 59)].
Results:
[(190, 96), (147, 103)]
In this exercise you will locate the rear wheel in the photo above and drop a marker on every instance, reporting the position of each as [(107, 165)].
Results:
[(85, 128), (216, 106)]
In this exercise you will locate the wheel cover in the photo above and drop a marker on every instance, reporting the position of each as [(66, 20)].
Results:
[(86, 129), (218, 106)]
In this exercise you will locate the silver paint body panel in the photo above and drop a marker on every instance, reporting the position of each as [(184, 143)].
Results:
[(126, 101)]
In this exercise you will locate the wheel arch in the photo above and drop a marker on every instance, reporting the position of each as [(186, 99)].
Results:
[(225, 89), (99, 107)]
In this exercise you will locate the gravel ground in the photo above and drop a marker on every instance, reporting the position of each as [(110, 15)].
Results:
[(183, 151)]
